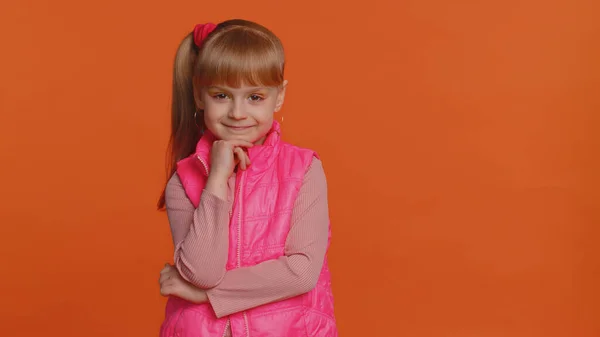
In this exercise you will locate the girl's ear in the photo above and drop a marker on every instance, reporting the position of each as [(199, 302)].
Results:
[(281, 96), (198, 95)]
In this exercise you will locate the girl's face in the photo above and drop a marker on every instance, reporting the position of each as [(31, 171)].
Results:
[(244, 113)]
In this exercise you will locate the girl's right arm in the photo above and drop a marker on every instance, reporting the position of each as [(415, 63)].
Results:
[(200, 235)]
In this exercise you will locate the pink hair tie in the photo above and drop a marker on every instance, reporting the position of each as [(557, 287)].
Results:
[(201, 31)]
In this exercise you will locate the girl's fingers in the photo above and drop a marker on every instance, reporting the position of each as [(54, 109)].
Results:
[(241, 157)]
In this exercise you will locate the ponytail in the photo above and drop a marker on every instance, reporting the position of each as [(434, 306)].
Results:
[(185, 132)]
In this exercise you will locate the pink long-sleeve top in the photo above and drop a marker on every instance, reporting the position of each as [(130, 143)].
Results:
[(201, 238)]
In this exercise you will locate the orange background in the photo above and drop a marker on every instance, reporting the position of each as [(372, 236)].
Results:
[(460, 139)]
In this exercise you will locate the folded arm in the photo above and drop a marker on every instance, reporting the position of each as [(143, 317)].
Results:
[(200, 235)]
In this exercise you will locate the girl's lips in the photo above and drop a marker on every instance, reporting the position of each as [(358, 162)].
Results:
[(238, 127)]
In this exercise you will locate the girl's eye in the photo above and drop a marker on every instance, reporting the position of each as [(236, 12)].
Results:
[(255, 98), (220, 96)]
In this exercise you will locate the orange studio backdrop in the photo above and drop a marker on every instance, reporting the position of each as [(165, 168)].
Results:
[(460, 140)]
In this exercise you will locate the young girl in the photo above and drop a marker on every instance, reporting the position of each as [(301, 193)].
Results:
[(248, 212)]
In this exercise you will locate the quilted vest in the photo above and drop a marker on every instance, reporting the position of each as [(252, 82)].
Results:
[(260, 222)]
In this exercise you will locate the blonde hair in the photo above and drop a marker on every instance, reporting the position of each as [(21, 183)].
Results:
[(237, 52)]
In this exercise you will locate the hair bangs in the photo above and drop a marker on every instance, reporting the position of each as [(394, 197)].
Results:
[(239, 57)]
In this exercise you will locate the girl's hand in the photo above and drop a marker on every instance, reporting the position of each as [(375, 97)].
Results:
[(226, 155), (172, 284)]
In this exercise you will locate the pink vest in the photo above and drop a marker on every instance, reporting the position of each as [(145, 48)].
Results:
[(260, 222)]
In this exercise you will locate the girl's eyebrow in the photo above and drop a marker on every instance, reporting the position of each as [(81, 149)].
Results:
[(215, 87)]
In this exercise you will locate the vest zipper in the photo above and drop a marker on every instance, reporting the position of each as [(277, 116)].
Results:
[(226, 327), (246, 323), (239, 224), (203, 164)]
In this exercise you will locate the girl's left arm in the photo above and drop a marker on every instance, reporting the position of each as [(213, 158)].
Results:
[(293, 274)]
